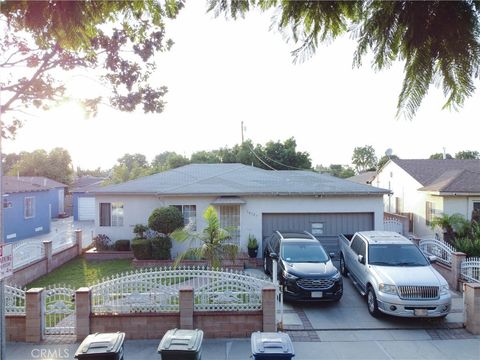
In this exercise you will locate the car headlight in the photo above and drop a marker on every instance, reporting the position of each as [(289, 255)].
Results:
[(444, 289), (336, 276), (289, 276), (387, 289)]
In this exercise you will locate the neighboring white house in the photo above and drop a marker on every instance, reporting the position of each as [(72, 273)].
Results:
[(428, 188), (253, 200)]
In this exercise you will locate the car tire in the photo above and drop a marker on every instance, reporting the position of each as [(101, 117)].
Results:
[(343, 266), (372, 304), (265, 267)]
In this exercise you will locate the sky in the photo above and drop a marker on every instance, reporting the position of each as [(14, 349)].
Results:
[(222, 72)]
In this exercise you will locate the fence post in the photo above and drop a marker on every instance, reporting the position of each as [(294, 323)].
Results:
[(269, 309), (83, 307), (472, 307), (47, 245), (457, 259), (34, 315), (78, 241), (186, 307)]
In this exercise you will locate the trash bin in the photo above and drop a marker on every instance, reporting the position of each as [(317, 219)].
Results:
[(270, 345), (101, 346), (181, 345)]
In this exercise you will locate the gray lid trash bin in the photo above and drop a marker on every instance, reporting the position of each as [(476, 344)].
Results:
[(271, 345), (101, 346), (181, 345)]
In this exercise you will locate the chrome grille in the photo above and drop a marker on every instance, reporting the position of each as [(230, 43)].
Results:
[(317, 284), (418, 292)]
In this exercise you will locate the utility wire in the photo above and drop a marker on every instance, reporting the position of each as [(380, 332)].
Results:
[(263, 162), (279, 163)]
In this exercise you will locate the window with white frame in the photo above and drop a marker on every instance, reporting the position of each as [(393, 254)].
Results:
[(29, 207), (230, 220), (429, 212), (111, 214), (189, 213)]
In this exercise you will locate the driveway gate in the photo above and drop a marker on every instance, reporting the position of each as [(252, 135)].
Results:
[(59, 311)]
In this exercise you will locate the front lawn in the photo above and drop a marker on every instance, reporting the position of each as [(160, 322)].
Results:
[(80, 272)]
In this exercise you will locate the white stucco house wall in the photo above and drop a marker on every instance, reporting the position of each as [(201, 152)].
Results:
[(427, 188), (253, 200)]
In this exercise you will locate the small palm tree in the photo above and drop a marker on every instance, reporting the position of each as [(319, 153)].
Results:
[(450, 224), (214, 247)]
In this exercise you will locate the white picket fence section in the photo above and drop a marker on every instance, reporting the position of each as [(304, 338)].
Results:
[(14, 300), (393, 225), (157, 290), (63, 240), (470, 269), (438, 248), (26, 252)]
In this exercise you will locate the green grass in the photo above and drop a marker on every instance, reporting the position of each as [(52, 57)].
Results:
[(80, 272)]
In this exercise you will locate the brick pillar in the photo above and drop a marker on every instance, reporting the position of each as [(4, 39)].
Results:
[(34, 315), (268, 308), (186, 308), (457, 259), (83, 306), (47, 245), (471, 298), (78, 240)]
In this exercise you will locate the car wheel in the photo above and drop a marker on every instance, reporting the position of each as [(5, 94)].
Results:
[(265, 267), (343, 267), (372, 303)]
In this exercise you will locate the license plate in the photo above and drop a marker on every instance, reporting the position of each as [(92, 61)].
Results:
[(420, 312), (317, 294)]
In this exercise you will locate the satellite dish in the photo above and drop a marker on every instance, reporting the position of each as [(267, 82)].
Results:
[(389, 152)]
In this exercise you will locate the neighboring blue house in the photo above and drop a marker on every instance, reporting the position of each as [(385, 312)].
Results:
[(25, 209), (82, 198), (56, 192)]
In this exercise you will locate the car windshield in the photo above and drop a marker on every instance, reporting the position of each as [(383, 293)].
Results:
[(303, 252), (396, 255)]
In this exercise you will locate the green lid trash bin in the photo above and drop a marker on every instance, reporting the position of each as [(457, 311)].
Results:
[(101, 346), (271, 346), (181, 345)]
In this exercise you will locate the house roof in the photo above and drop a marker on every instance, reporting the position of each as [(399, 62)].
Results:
[(426, 171), (41, 180), (363, 178), (238, 179), (456, 181), (12, 185), (87, 183)]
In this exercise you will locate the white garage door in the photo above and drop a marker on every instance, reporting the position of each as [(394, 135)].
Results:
[(86, 208)]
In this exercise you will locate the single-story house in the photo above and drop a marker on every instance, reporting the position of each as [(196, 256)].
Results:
[(365, 177), (25, 209), (253, 200), (56, 192), (424, 189), (83, 200)]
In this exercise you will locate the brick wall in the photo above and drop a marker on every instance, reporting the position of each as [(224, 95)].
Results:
[(228, 324), (15, 327), (64, 256), (28, 273)]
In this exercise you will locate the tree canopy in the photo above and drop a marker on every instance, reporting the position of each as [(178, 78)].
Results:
[(115, 41), (437, 41), (467, 155), (364, 158)]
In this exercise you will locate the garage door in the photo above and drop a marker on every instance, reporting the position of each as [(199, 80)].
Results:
[(325, 226), (86, 208)]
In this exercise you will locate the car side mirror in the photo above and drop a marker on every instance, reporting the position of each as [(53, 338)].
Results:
[(274, 256), (361, 259), (433, 258), (332, 255)]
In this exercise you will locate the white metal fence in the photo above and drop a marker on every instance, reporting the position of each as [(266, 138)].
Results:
[(59, 310), (157, 290), (470, 269), (440, 249), (393, 225), (14, 300), (26, 252), (63, 240)]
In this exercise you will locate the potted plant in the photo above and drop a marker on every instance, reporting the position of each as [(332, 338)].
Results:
[(252, 246)]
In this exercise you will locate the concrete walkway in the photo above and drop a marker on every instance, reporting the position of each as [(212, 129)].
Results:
[(359, 344)]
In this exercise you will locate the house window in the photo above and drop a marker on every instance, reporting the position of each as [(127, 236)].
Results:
[(476, 205), (7, 204), (230, 220), (429, 212), (111, 214), (29, 210), (189, 213)]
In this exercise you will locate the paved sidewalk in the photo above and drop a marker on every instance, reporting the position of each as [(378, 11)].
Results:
[(359, 344)]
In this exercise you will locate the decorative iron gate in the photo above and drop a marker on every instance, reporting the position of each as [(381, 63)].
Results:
[(59, 311)]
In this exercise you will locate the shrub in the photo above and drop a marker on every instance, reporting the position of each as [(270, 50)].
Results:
[(252, 242), (102, 242), (142, 249), (468, 246), (139, 230), (230, 252), (161, 246), (165, 220), (193, 254), (122, 245)]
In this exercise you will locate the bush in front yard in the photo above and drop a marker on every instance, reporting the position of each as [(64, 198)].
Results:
[(102, 242), (161, 246), (142, 249), (122, 245), (165, 220)]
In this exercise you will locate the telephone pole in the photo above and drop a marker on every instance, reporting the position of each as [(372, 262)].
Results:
[(242, 131), (3, 351)]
